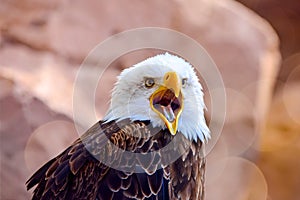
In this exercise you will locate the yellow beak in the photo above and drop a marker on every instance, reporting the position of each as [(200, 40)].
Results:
[(167, 101)]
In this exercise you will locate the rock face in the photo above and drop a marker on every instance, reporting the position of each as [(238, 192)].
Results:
[(44, 42), (280, 144)]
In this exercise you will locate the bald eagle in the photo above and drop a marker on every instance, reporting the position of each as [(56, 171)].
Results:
[(148, 146)]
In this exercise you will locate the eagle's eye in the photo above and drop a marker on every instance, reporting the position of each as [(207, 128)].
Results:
[(183, 81), (149, 82)]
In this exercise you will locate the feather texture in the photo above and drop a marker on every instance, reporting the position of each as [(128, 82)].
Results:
[(77, 173)]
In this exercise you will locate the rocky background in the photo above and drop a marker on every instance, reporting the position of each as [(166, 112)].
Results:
[(43, 43)]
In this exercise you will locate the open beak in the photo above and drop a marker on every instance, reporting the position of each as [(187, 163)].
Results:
[(167, 101)]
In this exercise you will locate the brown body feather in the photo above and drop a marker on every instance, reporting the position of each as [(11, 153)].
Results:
[(169, 167)]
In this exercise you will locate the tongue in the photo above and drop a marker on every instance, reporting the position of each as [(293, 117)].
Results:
[(168, 113)]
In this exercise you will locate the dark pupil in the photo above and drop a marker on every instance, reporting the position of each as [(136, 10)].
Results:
[(149, 82)]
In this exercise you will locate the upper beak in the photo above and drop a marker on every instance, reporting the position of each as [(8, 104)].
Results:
[(167, 101)]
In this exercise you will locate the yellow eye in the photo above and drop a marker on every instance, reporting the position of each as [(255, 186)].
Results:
[(149, 82), (184, 81)]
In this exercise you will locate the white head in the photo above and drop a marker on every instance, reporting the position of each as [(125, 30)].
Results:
[(165, 90)]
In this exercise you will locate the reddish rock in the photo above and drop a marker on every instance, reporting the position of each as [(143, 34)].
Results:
[(43, 44)]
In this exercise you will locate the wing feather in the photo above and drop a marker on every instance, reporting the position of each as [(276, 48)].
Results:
[(76, 173)]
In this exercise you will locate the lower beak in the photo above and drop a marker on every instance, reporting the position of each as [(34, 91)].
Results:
[(167, 102)]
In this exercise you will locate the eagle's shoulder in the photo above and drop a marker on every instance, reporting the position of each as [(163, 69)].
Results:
[(78, 172)]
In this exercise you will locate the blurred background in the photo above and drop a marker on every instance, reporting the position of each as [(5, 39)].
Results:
[(255, 44)]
